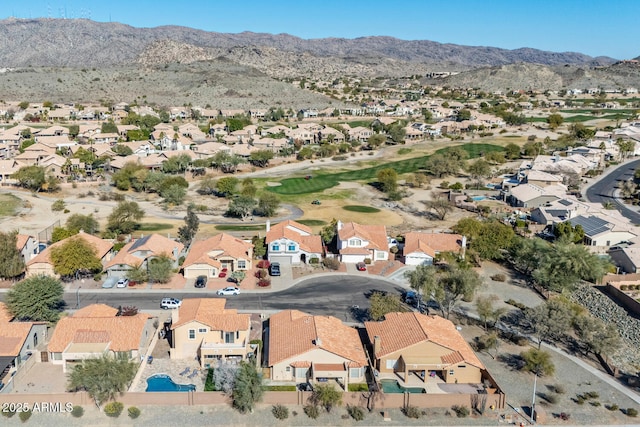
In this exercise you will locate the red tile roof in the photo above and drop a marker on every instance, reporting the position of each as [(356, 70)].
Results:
[(152, 245), (221, 245), (432, 243), (376, 235), (401, 330), (211, 312), (101, 246), (296, 232)]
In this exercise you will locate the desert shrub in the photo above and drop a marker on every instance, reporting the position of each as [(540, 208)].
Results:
[(58, 205), (551, 398), (356, 412), (345, 416), (624, 287), (461, 411), (499, 277), (579, 399), (77, 411), (113, 409), (314, 260), (331, 263), (612, 407), (261, 273), (118, 197), (8, 413), (312, 411), (411, 411), (133, 412), (263, 263), (66, 211), (516, 304), (281, 412), (631, 412), (294, 413), (559, 388), (367, 261), (264, 283), (595, 403), (337, 158), (358, 387), (24, 415), (591, 395)]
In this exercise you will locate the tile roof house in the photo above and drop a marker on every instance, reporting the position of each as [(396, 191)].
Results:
[(95, 330), (139, 252), (414, 343), (18, 342), (357, 242), (42, 264), (208, 257), (422, 248), (27, 245), (290, 242), (305, 348), (203, 328)]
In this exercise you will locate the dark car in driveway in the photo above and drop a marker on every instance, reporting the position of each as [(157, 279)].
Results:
[(274, 269), (201, 282)]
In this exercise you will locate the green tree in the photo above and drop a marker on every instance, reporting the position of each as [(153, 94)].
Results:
[(565, 231), (23, 105), (188, 231), (259, 249), (597, 336), (247, 390), (36, 299), (328, 232), (176, 164), (327, 396), (376, 140), (512, 151), (138, 274), (439, 204), (75, 255), (538, 361), (74, 130), (226, 186), (241, 207), (237, 122), (532, 148), (490, 239), (525, 254), (104, 377), (11, 262), (30, 177), (380, 304), (453, 285), (268, 204), (627, 147), (463, 114), (261, 158), (174, 194), (423, 279), (388, 179), (124, 217), (479, 169), (160, 269), (109, 127), (549, 321), (61, 233), (248, 188), (397, 133), (86, 223), (555, 120), (486, 310), (122, 150)]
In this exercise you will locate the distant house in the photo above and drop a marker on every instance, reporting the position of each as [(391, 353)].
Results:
[(42, 264), (600, 230), (422, 248), (209, 257), (626, 257), (139, 252), (27, 245), (19, 341), (290, 242), (357, 242), (204, 329), (533, 196), (96, 330), (413, 343), (305, 348)]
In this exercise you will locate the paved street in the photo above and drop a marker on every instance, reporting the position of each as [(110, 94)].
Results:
[(604, 189)]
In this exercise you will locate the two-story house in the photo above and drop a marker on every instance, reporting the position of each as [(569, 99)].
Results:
[(290, 242), (27, 245), (357, 242), (208, 257), (202, 328), (138, 253)]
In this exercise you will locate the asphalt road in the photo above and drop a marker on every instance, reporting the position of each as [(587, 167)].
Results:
[(603, 190), (331, 295)]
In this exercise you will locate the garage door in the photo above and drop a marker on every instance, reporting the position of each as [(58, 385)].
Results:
[(283, 260), (192, 273)]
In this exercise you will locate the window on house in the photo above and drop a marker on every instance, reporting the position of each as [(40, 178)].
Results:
[(291, 248), (275, 247), (462, 366), (354, 372), (288, 369), (380, 255), (229, 337), (301, 372), (192, 334), (202, 330), (391, 363), (451, 372), (355, 242), (242, 264)]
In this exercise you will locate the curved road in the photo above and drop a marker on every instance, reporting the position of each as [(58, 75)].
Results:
[(604, 190), (331, 295)]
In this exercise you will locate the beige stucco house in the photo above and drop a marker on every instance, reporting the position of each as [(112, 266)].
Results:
[(412, 343), (202, 328), (208, 257), (304, 348)]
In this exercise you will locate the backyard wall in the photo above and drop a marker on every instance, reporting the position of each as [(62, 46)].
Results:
[(613, 290)]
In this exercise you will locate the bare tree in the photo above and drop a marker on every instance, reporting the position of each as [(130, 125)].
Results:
[(439, 204)]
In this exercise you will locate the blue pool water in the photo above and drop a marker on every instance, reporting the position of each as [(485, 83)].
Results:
[(160, 382), (392, 386), (478, 198)]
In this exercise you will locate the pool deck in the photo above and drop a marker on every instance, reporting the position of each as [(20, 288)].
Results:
[(173, 368), (433, 385)]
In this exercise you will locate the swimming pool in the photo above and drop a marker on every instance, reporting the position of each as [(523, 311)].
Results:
[(477, 198), (161, 382), (393, 386)]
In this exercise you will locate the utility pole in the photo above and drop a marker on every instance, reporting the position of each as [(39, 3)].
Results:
[(533, 399)]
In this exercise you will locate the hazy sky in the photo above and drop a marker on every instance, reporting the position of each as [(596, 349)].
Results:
[(593, 27)]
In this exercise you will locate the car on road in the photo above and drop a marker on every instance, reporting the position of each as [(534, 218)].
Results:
[(122, 283), (229, 290), (201, 282), (170, 303), (110, 282), (361, 266), (274, 269)]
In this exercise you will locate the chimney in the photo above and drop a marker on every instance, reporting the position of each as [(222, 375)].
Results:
[(339, 225), (464, 242), (376, 345), (268, 225), (318, 342)]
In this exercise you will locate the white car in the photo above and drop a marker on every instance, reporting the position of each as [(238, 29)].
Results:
[(122, 283), (229, 290), (168, 303)]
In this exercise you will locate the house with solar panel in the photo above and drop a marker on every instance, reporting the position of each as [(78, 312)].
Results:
[(603, 230)]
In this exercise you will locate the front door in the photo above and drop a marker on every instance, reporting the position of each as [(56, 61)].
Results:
[(44, 356)]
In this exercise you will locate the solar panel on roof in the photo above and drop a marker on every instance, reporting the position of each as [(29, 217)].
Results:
[(591, 225), (565, 202)]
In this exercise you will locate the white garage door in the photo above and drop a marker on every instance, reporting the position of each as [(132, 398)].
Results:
[(283, 260), (192, 273)]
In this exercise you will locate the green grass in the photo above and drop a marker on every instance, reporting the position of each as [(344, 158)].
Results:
[(363, 123), (311, 222), (322, 181), (9, 204), (233, 227), (279, 387), (404, 151), (358, 387), (362, 209), (154, 226)]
